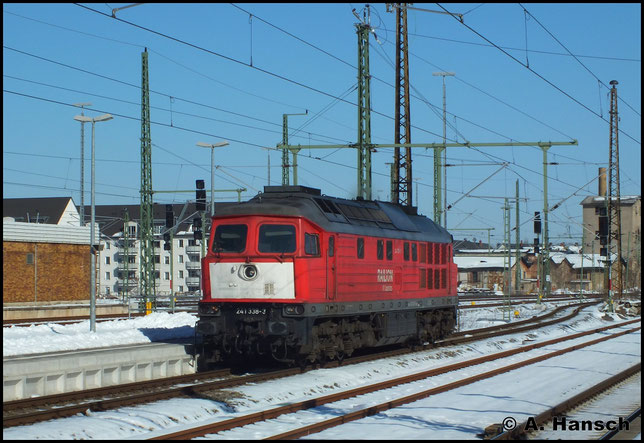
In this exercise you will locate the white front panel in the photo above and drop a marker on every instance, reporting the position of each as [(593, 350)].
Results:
[(252, 280)]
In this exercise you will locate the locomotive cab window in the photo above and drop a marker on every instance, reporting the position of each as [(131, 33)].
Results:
[(312, 244), (278, 239), (230, 238)]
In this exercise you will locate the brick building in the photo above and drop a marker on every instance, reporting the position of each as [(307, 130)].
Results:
[(44, 263)]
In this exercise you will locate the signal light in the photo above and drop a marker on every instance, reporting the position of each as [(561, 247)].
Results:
[(201, 195), (169, 216), (196, 225), (537, 222)]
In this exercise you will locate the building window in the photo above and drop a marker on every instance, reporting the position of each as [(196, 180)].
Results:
[(157, 259), (107, 260), (107, 276), (166, 276), (181, 243), (180, 288), (166, 260), (180, 274), (181, 259)]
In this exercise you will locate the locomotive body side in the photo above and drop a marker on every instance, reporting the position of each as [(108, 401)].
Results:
[(282, 279)]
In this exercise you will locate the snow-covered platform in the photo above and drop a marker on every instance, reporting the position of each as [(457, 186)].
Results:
[(64, 371)]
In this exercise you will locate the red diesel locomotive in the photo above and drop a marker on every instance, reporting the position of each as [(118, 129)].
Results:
[(301, 276)]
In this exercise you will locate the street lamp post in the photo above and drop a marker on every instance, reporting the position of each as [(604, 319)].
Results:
[(212, 147), (92, 265)]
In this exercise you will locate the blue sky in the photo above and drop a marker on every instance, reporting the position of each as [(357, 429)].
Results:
[(241, 71)]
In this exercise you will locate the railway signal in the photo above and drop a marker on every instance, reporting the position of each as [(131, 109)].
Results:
[(201, 195)]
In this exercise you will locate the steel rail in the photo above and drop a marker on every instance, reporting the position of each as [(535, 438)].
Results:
[(544, 417), (315, 402)]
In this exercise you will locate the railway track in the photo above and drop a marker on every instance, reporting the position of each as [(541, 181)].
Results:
[(329, 400), (32, 410), (534, 429)]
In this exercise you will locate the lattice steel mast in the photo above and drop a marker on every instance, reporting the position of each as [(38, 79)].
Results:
[(364, 112), (147, 287), (402, 179), (614, 208)]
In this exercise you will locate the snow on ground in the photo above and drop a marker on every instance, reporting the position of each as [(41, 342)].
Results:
[(458, 414), (50, 337)]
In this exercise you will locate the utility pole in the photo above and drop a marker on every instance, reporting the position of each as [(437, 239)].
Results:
[(440, 171), (614, 203), (125, 257), (147, 287), (402, 178), (507, 262), (517, 239), (364, 108), (285, 162)]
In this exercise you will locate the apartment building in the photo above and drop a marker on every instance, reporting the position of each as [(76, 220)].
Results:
[(117, 263)]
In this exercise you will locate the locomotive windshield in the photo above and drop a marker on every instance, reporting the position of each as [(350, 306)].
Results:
[(276, 238), (230, 238)]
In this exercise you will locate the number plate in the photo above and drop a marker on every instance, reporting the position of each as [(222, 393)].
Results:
[(250, 311)]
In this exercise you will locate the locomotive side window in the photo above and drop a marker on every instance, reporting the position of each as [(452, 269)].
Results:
[(423, 252), (436, 278), (414, 252), (430, 253), (276, 238), (360, 247), (390, 250), (312, 244), (331, 246), (230, 238), (380, 249), (423, 277), (406, 251)]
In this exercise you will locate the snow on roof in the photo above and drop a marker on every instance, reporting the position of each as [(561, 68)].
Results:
[(589, 260), (473, 262)]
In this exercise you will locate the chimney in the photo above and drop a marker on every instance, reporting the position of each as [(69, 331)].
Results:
[(602, 182)]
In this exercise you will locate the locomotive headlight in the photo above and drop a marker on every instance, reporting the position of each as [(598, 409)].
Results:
[(208, 309), (293, 310), (248, 272)]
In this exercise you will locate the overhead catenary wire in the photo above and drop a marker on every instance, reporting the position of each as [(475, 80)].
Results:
[(537, 74)]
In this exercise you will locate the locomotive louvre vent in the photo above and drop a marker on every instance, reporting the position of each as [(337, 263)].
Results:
[(269, 288)]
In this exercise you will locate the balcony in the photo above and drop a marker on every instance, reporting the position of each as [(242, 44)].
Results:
[(193, 249), (192, 281), (193, 265)]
